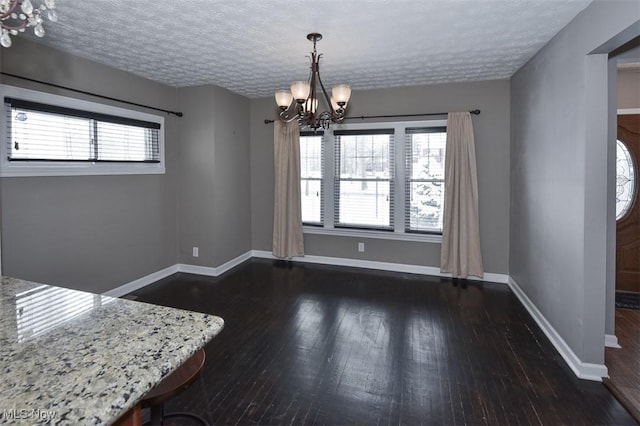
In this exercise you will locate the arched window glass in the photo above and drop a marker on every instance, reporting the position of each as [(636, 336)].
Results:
[(625, 180)]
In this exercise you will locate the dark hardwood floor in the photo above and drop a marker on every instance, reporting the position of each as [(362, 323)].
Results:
[(624, 363), (312, 344)]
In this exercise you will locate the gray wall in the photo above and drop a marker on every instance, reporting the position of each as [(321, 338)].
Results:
[(491, 130), (88, 232), (96, 233), (214, 189), (559, 135), (628, 89)]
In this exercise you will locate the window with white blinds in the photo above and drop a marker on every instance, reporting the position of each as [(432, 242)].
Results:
[(311, 172), (424, 178), (52, 135), (364, 188), (41, 132), (357, 181)]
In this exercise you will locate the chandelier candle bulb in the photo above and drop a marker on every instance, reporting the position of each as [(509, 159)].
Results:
[(311, 105)]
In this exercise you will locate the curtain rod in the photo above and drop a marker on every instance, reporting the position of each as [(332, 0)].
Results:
[(176, 113), (363, 117)]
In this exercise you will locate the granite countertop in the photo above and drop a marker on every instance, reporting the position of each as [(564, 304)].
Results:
[(71, 357)]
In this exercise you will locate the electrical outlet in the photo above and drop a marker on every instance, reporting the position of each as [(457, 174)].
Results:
[(196, 252), (361, 247)]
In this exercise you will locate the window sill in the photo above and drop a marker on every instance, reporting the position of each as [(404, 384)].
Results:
[(380, 235), (87, 169)]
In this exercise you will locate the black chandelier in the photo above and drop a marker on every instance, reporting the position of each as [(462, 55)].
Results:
[(302, 101)]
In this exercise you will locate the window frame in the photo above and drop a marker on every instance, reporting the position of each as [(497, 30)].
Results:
[(320, 179), (27, 168), (338, 179), (398, 232), (409, 180)]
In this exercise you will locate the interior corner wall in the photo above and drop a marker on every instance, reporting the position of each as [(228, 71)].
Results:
[(558, 177), (491, 129), (91, 233), (214, 185)]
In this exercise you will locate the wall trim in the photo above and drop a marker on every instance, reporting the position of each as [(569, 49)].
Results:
[(179, 267), (336, 261), (611, 341), (583, 370), (198, 270), (211, 271), (377, 235), (142, 282), (627, 111), (384, 266)]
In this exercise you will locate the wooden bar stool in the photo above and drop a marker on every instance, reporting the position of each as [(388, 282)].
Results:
[(172, 385)]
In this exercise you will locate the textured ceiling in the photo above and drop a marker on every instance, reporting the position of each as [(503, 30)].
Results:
[(253, 47)]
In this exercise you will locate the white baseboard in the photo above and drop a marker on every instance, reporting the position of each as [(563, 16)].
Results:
[(337, 261), (211, 271), (611, 341), (142, 282), (384, 266), (180, 267), (583, 370)]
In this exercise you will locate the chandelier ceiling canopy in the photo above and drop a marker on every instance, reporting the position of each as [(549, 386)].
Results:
[(17, 15), (302, 102)]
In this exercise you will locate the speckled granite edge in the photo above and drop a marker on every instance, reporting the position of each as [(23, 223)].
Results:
[(92, 368)]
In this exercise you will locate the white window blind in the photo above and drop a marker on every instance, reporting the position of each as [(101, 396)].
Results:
[(424, 178), (311, 167), (363, 189), (42, 132)]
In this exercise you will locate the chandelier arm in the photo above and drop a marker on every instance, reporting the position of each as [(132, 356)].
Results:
[(291, 107), (288, 119), (327, 98), (10, 11), (16, 28), (311, 111), (287, 115)]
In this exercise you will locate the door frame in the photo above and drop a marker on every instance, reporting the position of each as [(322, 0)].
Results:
[(614, 57)]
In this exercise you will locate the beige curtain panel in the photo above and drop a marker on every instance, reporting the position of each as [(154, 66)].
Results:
[(460, 251), (287, 216)]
